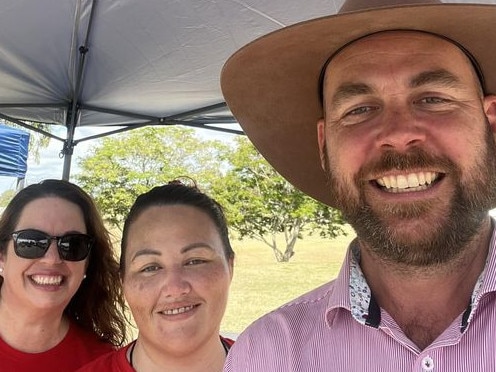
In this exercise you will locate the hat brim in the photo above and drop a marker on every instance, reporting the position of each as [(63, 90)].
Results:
[(271, 84)]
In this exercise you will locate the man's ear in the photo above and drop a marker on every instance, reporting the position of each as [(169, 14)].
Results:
[(490, 111), (321, 138)]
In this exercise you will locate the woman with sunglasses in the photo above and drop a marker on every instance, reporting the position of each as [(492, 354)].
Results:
[(60, 302), (176, 269)]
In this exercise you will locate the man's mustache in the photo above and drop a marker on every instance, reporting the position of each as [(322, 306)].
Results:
[(414, 159)]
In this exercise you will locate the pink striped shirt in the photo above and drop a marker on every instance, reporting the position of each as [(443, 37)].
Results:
[(338, 327)]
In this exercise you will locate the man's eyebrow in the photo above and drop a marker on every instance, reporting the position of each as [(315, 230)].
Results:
[(349, 90), (146, 251), (441, 77)]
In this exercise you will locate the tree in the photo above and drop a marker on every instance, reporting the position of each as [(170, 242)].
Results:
[(261, 204), (123, 166), (6, 197)]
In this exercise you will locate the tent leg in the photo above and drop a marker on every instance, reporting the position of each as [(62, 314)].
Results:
[(20, 183), (67, 167), (67, 153)]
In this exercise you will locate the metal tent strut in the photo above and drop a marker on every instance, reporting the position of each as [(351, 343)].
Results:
[(73, 112)]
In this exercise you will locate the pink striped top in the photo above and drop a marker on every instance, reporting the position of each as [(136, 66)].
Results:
[(338, 327)]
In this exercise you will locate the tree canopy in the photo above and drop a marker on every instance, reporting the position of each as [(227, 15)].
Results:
[(261, 204), (122, 167), (258, 202), (6, 197)]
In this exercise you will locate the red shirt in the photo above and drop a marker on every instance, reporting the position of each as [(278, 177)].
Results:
[(111, 362), (117, 361), (76, 349)]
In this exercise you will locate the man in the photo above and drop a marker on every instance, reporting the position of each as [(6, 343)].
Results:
[(402, 141)]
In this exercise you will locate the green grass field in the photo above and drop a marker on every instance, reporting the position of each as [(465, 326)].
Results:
[(261, 284)]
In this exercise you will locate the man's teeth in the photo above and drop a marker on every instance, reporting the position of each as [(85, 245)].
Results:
[(179, 310), (411, 182), (47, 280)]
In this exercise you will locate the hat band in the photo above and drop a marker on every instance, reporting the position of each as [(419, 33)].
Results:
[(469, 55)]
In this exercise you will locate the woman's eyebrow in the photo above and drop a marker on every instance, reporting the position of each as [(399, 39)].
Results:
[(198, 245), (146, 251)]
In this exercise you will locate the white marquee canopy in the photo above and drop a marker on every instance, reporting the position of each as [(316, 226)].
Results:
[(129, 63)]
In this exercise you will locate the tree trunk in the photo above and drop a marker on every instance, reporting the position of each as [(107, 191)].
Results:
[(288, 252), (291, 236)]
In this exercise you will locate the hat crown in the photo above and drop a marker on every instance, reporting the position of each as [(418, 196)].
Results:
[(355, 5), (280, 99)]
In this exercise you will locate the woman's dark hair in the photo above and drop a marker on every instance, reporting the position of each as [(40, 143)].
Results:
[(177, 193), (98, 305)]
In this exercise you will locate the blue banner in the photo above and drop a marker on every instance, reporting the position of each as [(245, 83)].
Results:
[(13, 151)]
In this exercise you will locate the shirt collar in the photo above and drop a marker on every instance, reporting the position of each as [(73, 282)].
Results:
[(351, 291), (486, 282)]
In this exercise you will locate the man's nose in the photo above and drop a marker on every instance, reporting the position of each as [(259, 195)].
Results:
[(400, 130)]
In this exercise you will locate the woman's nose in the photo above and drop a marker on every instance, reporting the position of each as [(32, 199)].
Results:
[(176, 283), (52, 253)]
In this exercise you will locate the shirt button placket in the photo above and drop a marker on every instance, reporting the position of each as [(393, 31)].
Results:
[(427, 364)]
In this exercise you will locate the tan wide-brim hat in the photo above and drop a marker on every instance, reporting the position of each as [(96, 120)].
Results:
[(271, 84)]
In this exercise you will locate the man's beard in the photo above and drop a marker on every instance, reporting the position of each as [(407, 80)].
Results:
[(451, 233)]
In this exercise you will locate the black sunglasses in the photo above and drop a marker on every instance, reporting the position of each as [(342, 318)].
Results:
[(31, 243)]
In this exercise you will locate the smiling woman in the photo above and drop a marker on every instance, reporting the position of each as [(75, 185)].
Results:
[(176, 269), (59, 307)]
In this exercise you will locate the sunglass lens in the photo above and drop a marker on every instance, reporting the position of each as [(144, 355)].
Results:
[(74, 247), (31, 244)]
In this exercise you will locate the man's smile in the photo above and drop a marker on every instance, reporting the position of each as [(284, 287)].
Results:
[(417, 181)]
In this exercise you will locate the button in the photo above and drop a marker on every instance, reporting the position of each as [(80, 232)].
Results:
[(427, 364)]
